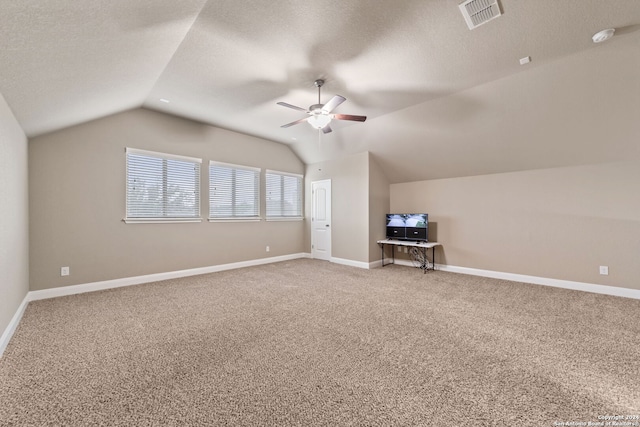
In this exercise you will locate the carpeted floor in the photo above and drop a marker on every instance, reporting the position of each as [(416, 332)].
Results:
[(309, 343)]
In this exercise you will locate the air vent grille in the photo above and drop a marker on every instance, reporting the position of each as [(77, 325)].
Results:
[(478, 12)]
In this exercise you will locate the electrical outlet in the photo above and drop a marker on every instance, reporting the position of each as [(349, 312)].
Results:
[(604, 270), (406, 250), (64, 271), (268, 249)]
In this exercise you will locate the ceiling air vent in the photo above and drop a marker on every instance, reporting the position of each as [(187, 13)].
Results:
[(477, 12)]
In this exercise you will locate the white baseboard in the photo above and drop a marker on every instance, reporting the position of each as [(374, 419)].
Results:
[(545, 281), (403, 262), (352, 263), (128, 281), (349, 262), (13, 324), (535, 280), (375, 264), (137, 280)]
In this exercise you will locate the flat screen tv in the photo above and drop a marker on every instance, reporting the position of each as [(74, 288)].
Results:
[(408, 226)]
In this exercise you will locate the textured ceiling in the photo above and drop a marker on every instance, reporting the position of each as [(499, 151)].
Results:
[(441, 100)]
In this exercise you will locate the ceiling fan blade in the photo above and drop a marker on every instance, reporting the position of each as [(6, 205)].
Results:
[(326, 129), (333, 103), (349, 117), (284, 104), (294, 123)]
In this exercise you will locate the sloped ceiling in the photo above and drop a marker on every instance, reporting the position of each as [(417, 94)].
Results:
[(441, 100)]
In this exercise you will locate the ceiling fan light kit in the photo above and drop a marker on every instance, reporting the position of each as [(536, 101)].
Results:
[(319, 120), (320, 114)]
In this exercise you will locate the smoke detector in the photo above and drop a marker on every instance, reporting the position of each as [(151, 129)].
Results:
[(478, 12)]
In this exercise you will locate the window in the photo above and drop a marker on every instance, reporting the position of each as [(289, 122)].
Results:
[(162, 187), (234, 191), (284, 195)]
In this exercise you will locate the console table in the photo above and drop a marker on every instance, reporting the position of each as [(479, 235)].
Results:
[(421, 246)]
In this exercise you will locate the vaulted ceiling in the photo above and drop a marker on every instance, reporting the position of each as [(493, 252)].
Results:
[(441, 100)]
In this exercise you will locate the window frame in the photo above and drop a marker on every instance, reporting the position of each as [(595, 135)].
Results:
[(197, 162), (300, 213), (256, 189)]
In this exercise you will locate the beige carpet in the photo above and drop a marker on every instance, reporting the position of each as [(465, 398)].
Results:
[(312, 343)]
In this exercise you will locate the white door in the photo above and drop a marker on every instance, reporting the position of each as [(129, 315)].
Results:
[(321, 219)]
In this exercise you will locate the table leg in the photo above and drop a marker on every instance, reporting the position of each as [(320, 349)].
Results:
[(425, 267), (433, 256)]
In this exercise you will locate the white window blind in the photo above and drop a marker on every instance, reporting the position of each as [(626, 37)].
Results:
[(234, 191), (284, 195), (162, 187)]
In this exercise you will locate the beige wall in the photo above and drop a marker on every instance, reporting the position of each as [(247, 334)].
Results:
[(77, 196), (14, 215), (555, 223), (360, 199), (349, 205), (378, 207)]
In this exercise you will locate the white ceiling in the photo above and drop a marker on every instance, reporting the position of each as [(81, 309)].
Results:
[(441, 100)]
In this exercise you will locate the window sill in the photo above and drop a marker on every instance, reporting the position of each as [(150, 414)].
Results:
[(285, 218), (251, 219), (160, 221)]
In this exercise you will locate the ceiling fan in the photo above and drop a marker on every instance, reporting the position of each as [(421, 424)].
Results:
[(320, 114)]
